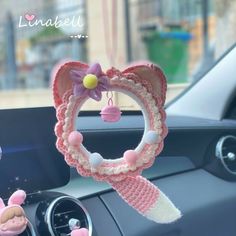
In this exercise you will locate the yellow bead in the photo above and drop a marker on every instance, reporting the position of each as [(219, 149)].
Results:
[(90, 81)]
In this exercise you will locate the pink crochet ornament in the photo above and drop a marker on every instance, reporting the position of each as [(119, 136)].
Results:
[(12, 217), (74, 83)]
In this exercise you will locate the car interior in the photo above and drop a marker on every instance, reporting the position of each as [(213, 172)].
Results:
[(196, 168)]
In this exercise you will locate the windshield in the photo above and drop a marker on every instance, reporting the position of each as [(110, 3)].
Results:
[(185, 37)]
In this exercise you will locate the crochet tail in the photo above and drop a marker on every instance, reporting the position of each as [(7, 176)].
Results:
[(147, 199)]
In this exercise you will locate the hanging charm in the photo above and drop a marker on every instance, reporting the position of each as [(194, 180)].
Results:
[(110, 113), (146, 84)]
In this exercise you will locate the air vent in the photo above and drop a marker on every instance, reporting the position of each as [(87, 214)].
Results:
[(226, 152), (61, 210)]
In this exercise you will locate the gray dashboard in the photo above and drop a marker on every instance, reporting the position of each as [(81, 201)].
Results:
[(187, 171), (202, 198), (206, 198)]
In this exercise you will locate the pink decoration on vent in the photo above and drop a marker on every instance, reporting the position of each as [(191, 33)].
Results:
[(80, 232), (12, 217)]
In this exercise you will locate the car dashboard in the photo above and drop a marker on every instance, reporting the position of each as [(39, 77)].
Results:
[(187, 170)]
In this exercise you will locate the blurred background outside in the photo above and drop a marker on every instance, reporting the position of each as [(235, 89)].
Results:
[(185, 37)]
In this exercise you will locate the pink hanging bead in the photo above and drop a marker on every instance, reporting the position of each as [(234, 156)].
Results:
[(110, 113)]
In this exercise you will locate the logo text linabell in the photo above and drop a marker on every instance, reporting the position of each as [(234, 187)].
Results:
[(32, 21)]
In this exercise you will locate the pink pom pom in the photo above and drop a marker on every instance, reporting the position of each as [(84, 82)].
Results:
[(131, 157), (75, 138), (80, 232)]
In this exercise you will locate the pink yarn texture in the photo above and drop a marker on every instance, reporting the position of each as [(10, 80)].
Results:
[(138, 192), (146, 83)]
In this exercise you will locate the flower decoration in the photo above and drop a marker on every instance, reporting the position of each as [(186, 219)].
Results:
[(90, 82)]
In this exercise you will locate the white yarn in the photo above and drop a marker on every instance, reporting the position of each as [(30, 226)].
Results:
[(163, 211)]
